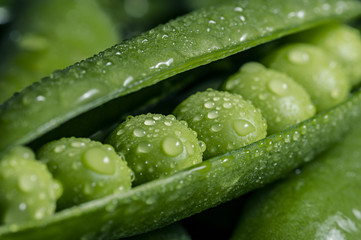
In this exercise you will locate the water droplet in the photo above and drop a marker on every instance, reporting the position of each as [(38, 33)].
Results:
[(87, 95), (77, 144), (238, 9), (216, 127), (190, 148), (296, 136), (97, 159), (59, 148), (209, 105), (40, 213), (168, 123), (149, 122), (243, 37), (243, 127), (144, 147), (127, 81), (278, 87), (22, 206), (202, 145), (197, 118), (212, 114), (27, 182), (40, 98), (120, 132), (138, 132), (227, 105), (297, 56), (165, 63)]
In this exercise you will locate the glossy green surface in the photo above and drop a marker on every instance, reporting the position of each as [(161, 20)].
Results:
[(282, 101), (153, 56), (310, 66), (205, 185), (173, 232), (161, 202), (155, 145), (87, 169), (319, 201), (27, 189), (49, 35), (340, 41), (222, 120)]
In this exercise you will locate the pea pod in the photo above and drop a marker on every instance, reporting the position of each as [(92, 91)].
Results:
[(322, 200), (133, 65), (182, 44)]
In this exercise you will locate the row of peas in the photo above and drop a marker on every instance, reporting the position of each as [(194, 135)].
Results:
[(301, 79)]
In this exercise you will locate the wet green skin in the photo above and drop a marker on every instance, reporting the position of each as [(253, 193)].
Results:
[(282, 101), (340, 41), (86, 169), (325, 80), (173, 232), (224, 121), (39, 43), (27, 189), (318, 201), (154, 56), (160, 202), (156, 146)]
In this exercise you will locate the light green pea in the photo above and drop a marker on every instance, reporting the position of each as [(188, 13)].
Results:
[(27, 189), (156, 146), (87, 169), (315, 70), (224, 121), (283, 102), (341, 41)]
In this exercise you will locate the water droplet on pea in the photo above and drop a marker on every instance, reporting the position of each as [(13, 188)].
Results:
[(202, 145), (209, 105), (59, 148), (172, 146), (149, 122), (27, 182), (297, 56), (243, 127), (216, 127), (138, 132), (144, 147), (213, 114), (278, 87), (96, 159)]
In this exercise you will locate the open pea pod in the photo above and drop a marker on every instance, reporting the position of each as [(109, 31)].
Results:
[(185, 43)]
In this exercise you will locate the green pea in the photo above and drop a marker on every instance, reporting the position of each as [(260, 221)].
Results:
[(224, 121), (156, 146), (341, 41), (27, 189), (282, 101), (87, 169), (321, 76)]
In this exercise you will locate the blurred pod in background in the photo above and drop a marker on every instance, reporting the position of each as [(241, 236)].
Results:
[(61, 33)]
